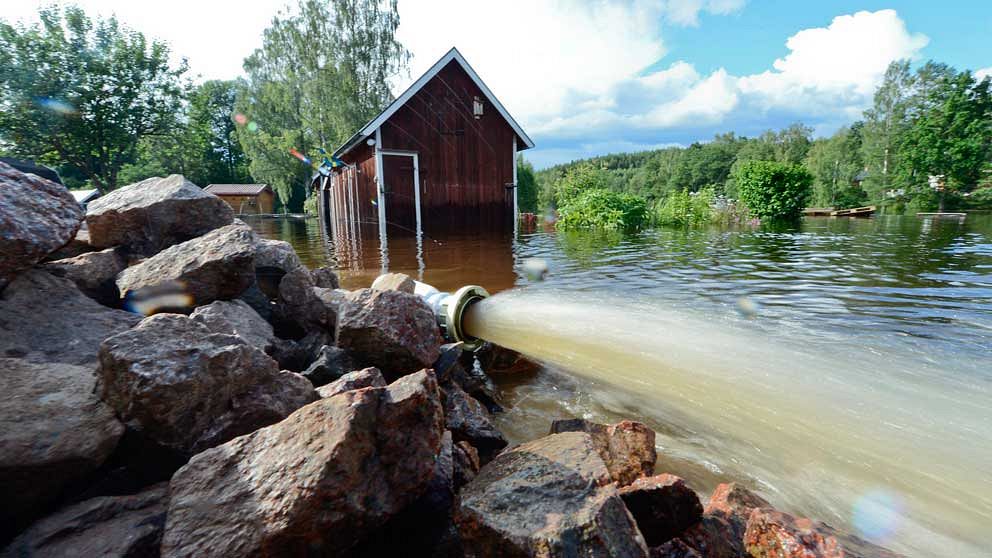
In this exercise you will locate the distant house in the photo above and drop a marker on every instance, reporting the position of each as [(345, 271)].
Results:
[(84, 197), (245, 199), (442, 154)]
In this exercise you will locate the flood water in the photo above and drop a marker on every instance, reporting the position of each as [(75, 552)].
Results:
[(843, 368)]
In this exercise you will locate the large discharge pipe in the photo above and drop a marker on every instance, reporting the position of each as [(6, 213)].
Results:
[(449, 311)]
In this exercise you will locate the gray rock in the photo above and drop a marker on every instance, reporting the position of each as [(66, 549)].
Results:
[(466, 463), (94, 273), (273, 260), (174, 382), (315, 484), (53, 431), (366, 377), (37, 217), (79, 245), (110, 527), (550, 497), (302, 307), (235, 317), (325, 278), (44, 318), (331, 363), (393, 331), (297, 355), (216, 266), (456, 365), (394, 282), (469, 421), (154, 214)]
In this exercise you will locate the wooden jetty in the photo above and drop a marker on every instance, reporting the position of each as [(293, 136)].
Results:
[(940, 215), (818, 211), (865, 211)]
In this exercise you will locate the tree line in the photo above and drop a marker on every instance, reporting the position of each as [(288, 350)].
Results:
[(926, 143), (102, 104)]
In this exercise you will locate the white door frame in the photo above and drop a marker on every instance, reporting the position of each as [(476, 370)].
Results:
[(416, 178)]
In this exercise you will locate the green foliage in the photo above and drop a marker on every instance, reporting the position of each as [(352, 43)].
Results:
[(836, 165), (320, 74), (84, 92), (602, 209), (684, 209), (526, 186), (578, 180), (202, 144), (774, 190)]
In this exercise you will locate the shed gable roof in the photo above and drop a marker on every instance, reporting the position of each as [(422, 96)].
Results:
[(390, 110), (236, 189)]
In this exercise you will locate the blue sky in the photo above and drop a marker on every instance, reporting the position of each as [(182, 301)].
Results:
[(588, 77)]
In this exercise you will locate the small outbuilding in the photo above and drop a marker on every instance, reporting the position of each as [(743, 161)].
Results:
[(245, 199), (442, 155)]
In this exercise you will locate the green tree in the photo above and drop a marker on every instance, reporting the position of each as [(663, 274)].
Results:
[(835, 163), (952, 136), (884, 125), (526, 186), (320, 74), (84, 92), (774, 190)]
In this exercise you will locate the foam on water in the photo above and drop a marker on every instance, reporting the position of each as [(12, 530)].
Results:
[(886, 444)]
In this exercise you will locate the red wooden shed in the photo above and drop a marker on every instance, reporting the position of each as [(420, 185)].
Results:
[(442, 154)]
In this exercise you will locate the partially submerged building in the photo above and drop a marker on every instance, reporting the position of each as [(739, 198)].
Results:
[(245, 199), (442, 154)]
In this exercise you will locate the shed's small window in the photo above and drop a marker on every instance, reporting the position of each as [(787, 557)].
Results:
[(477, 107)]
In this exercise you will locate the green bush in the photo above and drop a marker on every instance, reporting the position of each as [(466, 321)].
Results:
[(579, 180), (683, 209), (602, 209), (773, 190), (850, 197)]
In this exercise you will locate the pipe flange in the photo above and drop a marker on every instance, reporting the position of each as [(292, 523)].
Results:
[(453, 311)]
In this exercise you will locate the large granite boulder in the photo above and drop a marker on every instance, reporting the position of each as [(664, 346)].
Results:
[(44, 318), (53, 431), (77, 246), (391, 330), (469, 421), (108, 527), (273, 260), (456, 365), (550, 497), (626, 447), (235, 317), (315, 484), (173, 381), (303, 308), (394, 282), (37, 217), (154, 214), (95, 273), (720, 531), (331, 364), (216, 266), (663, 506)]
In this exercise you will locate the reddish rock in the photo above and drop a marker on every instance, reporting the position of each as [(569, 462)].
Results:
[(331, 364), (315, 484), (626, 447), (774, 534), (469, 421), (550, 497), (394, 331), (499, 360), (236, 317), (733, 499), (394, 282), (37, 217), (675, 548), (108, 527), (216, 266), (367, 377), (466, 463), (154, 214), (663, 506), (174, 382), (715, 536)]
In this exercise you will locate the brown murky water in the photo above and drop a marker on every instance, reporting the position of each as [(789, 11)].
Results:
[(853, 384)]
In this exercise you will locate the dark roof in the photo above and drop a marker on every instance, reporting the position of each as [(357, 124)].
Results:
[(452, 55), (237, 189), (29, 167)]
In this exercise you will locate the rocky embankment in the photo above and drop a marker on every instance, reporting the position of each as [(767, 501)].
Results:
[(175, 386)]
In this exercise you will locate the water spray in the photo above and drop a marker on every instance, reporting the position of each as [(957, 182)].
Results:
[(449, 311)]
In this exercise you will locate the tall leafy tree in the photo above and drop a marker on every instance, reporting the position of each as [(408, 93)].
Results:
[(885, 122), (835, 163), (526, 186), (952, 137), (321, 73), (84, 92)]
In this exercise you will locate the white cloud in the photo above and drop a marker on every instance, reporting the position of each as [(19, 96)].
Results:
[(686, 12), (983, 73)]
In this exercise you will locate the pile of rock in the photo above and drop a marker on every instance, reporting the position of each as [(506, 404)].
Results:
[(178, 387)]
